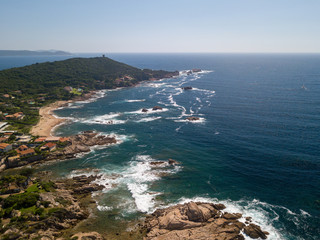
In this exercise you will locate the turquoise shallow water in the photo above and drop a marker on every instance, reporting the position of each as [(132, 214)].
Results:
[(255, 148)]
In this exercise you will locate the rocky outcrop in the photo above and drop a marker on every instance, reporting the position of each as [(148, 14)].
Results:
[(186, 88), (144, 110), (192, 118), (156, 108), (196, 70), (254, 231), (81, 143), (196, 220), (170, 162), (173, 162), (62, 208)]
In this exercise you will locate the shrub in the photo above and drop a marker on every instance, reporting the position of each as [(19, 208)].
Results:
[(23, 200), (27, 172)]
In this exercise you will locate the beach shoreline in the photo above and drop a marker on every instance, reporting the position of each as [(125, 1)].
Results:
[(48, 120)]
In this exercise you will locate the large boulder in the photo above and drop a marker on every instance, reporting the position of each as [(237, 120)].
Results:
[(196, 220), (254, 231)]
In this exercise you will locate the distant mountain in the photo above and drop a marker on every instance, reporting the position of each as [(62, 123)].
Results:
[(7, 53)]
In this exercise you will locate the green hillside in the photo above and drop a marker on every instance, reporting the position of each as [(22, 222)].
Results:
[(88, 73), (25, 89)]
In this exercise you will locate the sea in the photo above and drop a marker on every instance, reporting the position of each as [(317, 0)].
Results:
[(255, 146)]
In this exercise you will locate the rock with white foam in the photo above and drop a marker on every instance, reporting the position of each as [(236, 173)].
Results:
[(191, 119), (196, 220), (156, 108), (173, 162), (187, 88)]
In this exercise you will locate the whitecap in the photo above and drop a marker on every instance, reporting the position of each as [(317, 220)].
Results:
[(149, 119), (107, 119), (104, 208), (134, 100), (210, 92)]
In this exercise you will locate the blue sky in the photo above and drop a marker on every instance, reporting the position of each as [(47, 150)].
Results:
[(161, 25)]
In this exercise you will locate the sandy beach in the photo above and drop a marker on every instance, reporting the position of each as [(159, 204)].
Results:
[(47, 120)]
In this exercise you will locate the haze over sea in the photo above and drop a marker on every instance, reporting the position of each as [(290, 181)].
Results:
[(255, 148)]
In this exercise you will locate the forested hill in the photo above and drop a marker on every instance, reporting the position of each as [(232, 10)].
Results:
[(51, 78), (26, 89)]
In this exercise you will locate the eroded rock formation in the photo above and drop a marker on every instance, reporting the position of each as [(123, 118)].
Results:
[(196, 220)]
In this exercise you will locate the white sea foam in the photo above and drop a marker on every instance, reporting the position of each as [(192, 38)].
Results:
[(198, 99), (120, 137), (75, 105), (104, 208), (148, 119), (108, 119), (138, 177), (155, 85), (305, 213), (134, 100), (208, 92)]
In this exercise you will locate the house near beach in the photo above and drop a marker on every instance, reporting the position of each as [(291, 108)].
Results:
[(40, 140), (21, 149), (24, 138), (5, 147), (19, 115), (52, 139), (16, 116), (27, 153), (49, 146)]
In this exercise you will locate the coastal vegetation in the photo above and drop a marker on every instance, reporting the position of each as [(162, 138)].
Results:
[(26, 89)]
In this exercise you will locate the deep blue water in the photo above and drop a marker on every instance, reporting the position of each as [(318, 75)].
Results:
[(256, 147)]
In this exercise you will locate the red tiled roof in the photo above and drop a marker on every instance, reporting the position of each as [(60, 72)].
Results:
[(26, 152), (41, 139), (23, 147), (4, 145), (50, 145)]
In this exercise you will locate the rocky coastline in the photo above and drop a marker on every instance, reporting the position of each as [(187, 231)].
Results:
[(197, 220), (69, 201), (57, 209), (82, 143)]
